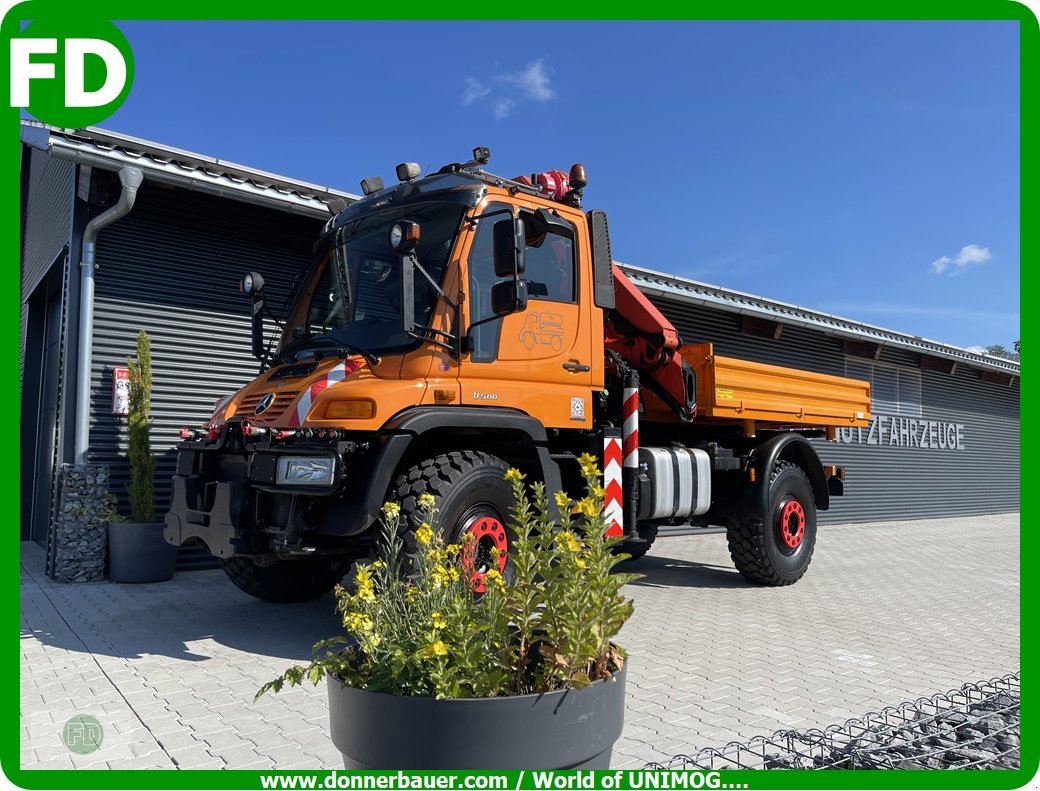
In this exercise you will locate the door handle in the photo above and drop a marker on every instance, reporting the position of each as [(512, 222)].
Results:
[(577, 368)]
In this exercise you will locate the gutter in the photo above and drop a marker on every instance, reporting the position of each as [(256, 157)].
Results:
[(130, 178)]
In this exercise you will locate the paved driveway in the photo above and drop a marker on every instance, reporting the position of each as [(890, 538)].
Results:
[(887, 612)]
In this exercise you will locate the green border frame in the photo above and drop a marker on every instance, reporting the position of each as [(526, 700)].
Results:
[(924, 10)]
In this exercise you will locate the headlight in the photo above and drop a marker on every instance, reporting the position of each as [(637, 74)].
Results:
[(305, 471)]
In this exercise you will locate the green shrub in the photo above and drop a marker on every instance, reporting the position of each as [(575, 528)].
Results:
[(413, 625)]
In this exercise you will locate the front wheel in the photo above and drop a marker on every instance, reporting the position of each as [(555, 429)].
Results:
[(473, 497), (776, 548), (285, 580)]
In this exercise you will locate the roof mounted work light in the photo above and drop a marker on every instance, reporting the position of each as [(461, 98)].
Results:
[(481, 155), (371, 184), (408, 171)]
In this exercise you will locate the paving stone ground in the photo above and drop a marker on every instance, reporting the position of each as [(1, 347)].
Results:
[(887, 612)]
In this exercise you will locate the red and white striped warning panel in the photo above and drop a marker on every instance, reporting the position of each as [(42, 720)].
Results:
[(336, 374), (612, 511)]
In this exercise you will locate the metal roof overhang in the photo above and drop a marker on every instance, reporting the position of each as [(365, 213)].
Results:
[(102, 149), (692, 292)]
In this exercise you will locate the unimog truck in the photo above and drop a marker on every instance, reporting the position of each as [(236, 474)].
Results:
[(458, 324)]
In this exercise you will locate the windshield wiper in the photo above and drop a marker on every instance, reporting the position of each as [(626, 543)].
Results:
[(329, 340)]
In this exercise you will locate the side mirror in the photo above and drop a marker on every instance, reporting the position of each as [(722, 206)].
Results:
[(509, 296), (508, 247), (253, 285)]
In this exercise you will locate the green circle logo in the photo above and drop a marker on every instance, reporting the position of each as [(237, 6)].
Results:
[(82, 734), (70, 72)]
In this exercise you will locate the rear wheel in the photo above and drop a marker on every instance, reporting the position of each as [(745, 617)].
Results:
[(472, 496), (776, 549), (285, 580)]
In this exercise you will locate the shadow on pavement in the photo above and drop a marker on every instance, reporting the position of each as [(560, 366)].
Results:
[(662, 572), (168, 618)]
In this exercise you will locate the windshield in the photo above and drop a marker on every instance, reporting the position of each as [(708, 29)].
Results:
[(353, 292)]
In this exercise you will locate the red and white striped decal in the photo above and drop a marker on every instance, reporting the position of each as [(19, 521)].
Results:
[(336, 374), (630, 426), (612, 510)]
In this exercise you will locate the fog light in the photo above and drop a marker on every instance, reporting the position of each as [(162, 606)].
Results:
[(305, 471)]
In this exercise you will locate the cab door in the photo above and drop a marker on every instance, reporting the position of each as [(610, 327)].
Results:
[(538, 360)]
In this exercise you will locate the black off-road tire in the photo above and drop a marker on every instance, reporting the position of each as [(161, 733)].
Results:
[(637, 549), (286, 580), (467, 485), (758, 546)]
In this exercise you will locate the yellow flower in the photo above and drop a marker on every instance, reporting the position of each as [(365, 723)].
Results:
[(453, 574), (378, 564), (411, 593), (495, 552), (374, 640), (424, 534), (426, 502), (580, 563), (562, 500), (588, 507), (358, 622), (513, 474), (569, 541), (391, 510), (589, 465), (452, 549), (469, 538), (440, 648), (494, 576), (598, 492), (439, 621)]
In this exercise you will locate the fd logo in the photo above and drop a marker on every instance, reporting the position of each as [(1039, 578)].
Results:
[(70, 73)]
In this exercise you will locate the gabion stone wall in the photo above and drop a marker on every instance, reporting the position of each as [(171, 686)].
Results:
[(79, 535)]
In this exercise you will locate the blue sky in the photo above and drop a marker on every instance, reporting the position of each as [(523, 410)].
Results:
[(867, 169)]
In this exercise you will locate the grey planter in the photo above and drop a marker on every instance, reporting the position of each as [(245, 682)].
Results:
[(139, 553), (567, 729)]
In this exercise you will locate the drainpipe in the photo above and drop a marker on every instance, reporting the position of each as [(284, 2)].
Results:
[(130, 178)]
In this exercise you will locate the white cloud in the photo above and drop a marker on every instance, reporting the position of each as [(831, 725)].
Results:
[(503, 107), (970, 255), (533, 81), (531, 84), (976, 349), (474, 90)]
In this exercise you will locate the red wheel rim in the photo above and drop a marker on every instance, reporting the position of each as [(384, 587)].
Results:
[(477, 558), (791, 524)]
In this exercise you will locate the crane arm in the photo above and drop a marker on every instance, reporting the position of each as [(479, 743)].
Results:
[(647, 341)]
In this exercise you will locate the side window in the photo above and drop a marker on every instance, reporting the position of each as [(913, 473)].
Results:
[(481, 279), (549, 261)]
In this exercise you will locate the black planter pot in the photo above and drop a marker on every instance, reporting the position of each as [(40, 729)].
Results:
[(139, 553), (567, 729)]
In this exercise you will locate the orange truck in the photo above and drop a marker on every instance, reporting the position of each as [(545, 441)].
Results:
[(457, 324)]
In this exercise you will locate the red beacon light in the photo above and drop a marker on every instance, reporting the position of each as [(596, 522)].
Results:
[(187, 433)]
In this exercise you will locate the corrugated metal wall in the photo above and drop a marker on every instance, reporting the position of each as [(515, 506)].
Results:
[(889, 475), (172, 267)]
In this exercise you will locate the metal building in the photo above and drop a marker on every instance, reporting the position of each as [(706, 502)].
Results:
[(944, 439)]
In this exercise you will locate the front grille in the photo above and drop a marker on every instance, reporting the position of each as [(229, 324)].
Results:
[(282, 400)]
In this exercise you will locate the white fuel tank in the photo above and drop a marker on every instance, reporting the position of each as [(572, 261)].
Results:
[(678, 482)]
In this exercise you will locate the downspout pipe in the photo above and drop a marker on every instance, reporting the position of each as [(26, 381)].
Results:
[(130, 178)]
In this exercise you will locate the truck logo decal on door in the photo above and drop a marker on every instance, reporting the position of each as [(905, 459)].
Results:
[(543, 328)]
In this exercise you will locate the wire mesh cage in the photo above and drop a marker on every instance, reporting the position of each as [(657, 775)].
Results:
[(974, 727)]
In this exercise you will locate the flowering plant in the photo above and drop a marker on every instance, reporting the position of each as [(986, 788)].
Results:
[(414, 625)]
